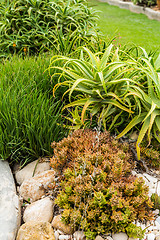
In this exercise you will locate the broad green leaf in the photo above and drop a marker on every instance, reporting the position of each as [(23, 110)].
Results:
[(142, 134), (92, 57), (104, 59), (157, 63), (114, 120), (117, 104), (134, 122), (151, 110)]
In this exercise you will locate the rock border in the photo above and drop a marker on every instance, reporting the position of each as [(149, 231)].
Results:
[(10, 211), (150, 13)]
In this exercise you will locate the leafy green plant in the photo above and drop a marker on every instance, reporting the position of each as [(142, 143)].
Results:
[(146, 3), (101, 81), (30, 26), (121, 87), (156, 201), (147, 97), (98, 192)]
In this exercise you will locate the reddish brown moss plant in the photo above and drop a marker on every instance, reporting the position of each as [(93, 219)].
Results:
[(98, 192)]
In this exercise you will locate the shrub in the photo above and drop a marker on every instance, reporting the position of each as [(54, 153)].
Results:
[(28, 112), (146, 3), (31, 26), (98, 192), (121, 87)]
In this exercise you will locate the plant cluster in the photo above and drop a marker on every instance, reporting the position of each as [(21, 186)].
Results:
[(156, 201), (121, 87), (98, 192), (31, 26), (145, 3), (28, 112)]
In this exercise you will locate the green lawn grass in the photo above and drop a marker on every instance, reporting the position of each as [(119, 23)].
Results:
[(131, 27)]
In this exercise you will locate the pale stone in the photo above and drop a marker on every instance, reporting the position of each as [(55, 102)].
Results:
[(156, 212), (10, 211), (58, 224), (34, 188), (109, 238), (98, 237), (36, 167), (150, 178), (120, 236), (158, 237), (150, 236), (158, 188), (60, 232), (79, 235), (36, 231), (39, 211), (157, 225), (56, 234), (65, 237)]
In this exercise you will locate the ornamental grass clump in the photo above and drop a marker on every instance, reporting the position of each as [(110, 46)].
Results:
[(98, 192)]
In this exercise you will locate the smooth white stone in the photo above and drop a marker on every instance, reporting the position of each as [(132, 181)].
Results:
[(157, 225), (150, 178), (158, 237), (60, 232), (65, 237), (120, 236), (79, 235), (150, 236), (98, 237), (158, 188), (40, 211), (109, 238), (56, 234), (27, 172)]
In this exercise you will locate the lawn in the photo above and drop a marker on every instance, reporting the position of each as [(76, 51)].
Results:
[(130, 27)]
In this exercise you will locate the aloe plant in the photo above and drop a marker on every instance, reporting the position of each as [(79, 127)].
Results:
[(112, 84), (102, 81), (149, 102)]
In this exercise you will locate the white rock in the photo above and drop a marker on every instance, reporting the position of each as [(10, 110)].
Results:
[(36, 167), (39, 211), (34, 188), (150, 236), (98, 237), (157, 225), (10, 210), (79, 235), (156, 212), (150, 178), (158, 237), (158, 188), (109, 238), (56, 234), (134, 173), (60, 232), (120, 236), (65, 237)]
